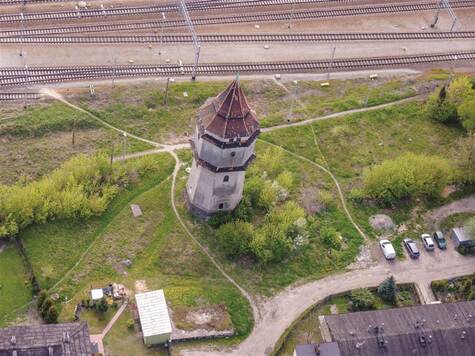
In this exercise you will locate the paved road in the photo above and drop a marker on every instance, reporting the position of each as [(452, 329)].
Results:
[(280, 311), (465, 205)]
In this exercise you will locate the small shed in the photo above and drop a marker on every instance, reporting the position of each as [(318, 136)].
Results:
[(97, 294), (462, 237), (154, 318)]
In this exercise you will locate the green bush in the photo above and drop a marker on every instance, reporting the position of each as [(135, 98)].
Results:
[(465, 159), (404, 299), (102, 306), (51, 315), (362, 299), (80, 188), (408, 176), (235, 237), (439, 108), (387, 290), (330, 238), (466, 287), (41, 299), (440, 285), (130, 324), (466, 113)]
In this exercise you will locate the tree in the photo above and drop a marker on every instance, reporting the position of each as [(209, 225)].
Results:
[(407, 176), (440, 109), (465, 159), (102, 307), (51, 316), (466, 113), (387, 290), (235, 237), (460, 90), (362, 299)]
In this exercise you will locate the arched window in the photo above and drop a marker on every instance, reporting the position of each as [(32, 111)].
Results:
[(233, 154), (226, 179), (221, 206)]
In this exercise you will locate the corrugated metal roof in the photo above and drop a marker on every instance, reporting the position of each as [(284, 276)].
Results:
[(153, 313)]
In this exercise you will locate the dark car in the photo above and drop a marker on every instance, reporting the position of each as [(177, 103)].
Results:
[(439, 239), (411, 247)]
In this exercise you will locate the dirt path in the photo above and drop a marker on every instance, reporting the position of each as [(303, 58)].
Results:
[(465, 205), (340, 114)]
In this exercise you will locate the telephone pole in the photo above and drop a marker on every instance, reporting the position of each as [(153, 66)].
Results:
[(191, 28)]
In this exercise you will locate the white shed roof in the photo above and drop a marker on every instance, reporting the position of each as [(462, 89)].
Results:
[(153, 313), (97, 294)]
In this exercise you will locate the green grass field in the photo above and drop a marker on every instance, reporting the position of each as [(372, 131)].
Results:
[(311, 261), (15, 289)]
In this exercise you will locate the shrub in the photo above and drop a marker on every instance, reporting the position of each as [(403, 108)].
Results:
[(460, 90), (51, 316), (82, 187), (466, 287), (362, 299), (130, 324), (41, 299), (387, 290), (102, 306), (439, 108), (235, 238), (356, 195), (408, 176), (440, 285), (404, 299), (330, 238), (466, 113)]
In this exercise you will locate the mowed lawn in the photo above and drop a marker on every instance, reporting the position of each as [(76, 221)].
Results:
[(15, 289)]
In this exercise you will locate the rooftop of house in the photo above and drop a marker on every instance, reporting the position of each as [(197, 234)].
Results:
[(71, 339), (434, 329)]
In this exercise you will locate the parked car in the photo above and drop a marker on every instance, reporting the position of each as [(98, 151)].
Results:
[(427, 241), (411, 247), (439, 239), (388, 249)]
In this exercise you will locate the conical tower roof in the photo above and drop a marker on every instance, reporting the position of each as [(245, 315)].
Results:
[(228, 115)]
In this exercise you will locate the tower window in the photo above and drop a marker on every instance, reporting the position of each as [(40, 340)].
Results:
[(233, 154), (220, 206), (226, 179)]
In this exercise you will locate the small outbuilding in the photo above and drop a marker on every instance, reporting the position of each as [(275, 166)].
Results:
[(154, 317), (462, 237)]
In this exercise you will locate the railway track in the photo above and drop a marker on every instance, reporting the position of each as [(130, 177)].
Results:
[(224, 19), (42, 75), (197, 5), (14, 96), (232, 38), (308, 14)]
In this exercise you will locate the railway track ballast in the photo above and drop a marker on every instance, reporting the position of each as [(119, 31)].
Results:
[(42, 75)]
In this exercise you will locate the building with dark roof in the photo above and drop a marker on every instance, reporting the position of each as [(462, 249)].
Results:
[(433, 330), (70, 339)]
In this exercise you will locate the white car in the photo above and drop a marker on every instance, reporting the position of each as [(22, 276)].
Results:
[(428, 242), (388, 249)]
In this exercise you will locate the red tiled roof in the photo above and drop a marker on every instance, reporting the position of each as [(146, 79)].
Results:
[(228, 115)]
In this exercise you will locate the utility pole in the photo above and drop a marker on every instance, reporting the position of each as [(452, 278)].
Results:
[(161, 35), (191, 28), (292, 11), (292, 103), (445, 4), (330, 66), (169, 80)]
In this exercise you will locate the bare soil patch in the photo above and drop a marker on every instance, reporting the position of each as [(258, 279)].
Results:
[(208, 318)]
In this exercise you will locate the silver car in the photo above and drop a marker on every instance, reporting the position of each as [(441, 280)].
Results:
[(428, 242)]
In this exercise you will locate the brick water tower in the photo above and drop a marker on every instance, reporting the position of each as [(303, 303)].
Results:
[(223, 147)]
